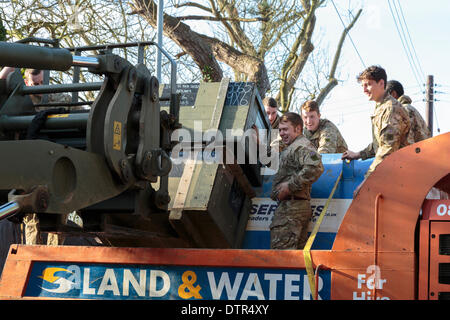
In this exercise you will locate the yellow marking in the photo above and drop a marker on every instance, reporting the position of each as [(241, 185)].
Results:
[(48, 274), (65, 115)]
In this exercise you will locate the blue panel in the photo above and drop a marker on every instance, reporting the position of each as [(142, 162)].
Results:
[(261, 240), (352, 175), (147, 282)]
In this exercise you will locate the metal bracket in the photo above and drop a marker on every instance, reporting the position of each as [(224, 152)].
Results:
[(35, 201)]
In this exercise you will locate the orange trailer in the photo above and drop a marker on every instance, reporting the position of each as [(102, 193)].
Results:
[(393, 243)]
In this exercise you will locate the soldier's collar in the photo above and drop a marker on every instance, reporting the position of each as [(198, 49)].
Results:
[(386, 96)]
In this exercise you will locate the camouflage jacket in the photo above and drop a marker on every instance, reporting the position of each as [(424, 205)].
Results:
[(327, 138), (300, 165), (56, 98), (419, 130), (390, 128), (276, 123)]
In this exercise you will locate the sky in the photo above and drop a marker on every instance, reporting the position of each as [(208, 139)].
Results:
[(378, 42)]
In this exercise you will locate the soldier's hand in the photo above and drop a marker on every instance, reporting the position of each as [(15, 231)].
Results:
[(350, 155)]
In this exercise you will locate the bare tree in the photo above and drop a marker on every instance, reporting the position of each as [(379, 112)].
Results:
[(255, 35), (269, 42)]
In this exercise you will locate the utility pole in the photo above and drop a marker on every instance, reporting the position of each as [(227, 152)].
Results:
[(430, 99)]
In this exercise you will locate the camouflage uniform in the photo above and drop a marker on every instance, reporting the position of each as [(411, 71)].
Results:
[(31, 221), (390, 127), (327, 138), (300, 165), (276, 143), (419, 130), (276, 123)]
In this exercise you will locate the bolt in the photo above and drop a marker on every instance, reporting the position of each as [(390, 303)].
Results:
[(154, 88), (125, 170), (146, 163), (117, 64), (132, 80)]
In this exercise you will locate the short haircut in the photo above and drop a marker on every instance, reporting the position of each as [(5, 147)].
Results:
[(33, 72), (293, 118), (373, 73), (271, 102), (394, 85), (310, 105)]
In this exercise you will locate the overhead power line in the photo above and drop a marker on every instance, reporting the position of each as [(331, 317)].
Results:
[(404, 41), (410, 40), (349, 36)]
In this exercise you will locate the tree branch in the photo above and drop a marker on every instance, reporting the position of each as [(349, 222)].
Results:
[(332, 81), (294, 64), (209, 18)]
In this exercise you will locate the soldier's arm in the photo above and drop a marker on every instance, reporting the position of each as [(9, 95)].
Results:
[(419, 128), (389, 139), (5, 71), (310, 171), (368, 152)]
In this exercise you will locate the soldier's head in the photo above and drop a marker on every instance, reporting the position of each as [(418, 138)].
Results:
[(270, 105), (311, 115), (394, 88), (290, 127), (34, 77), (373, 80)]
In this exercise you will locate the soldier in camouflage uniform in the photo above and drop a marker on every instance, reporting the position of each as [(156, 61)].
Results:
[(32, 234), (419, 130), (300, 166), (323, 134), (270, 105), (390, 121), (35, 77)]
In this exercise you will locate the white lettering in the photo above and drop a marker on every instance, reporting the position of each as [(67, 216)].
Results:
[(289, 288), (189, 310), (229, 309), (224, 281), (441, 210), (86, 289), (75, 278), (360, 280), (307, 290), (273, 278), (375, 279), (362, 297), (252, 280), (128, 278), (109, 282)]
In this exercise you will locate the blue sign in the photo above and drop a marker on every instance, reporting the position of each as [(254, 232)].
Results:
[(137, 282), (257, 234)]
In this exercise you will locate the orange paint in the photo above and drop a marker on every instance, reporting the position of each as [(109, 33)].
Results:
[(373, 255)]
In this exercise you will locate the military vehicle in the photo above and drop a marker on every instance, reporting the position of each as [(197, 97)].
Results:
[(111, 162)]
